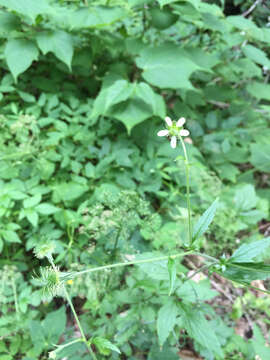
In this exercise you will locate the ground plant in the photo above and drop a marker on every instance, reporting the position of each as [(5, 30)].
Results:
[(134, 176)]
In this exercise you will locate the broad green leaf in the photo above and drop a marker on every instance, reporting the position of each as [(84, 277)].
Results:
[(204, 221), (10, 236), (46, 209), (20, 53), (157, 270), (104, 344), (200, 330), (37, 333), (30, 8), (68, 191), (167, 352), (172, 274), (58, 42), (259, 90), (114, 94), (167, 66), (95, 17), (246, 252), (32, 201), (166, 320), (8, 22), (260, 155), (191, 291), (32, 216), (146, 93), (131, 113)]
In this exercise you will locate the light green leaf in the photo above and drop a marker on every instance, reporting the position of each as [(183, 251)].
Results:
[(114, 94), (260, 155), (30, 8), (172, 274), (259, 90), (245, 198), (204, 221), (103, 344), (58, 42), (10, 236), (166, 320), (20, 53), (47, 209), (68, 191), (246, 252), (32, 201), (54, 324), (32, 216), (94, 17), (131, 113), (146, 93), (256, 55), (157, 270), (167, 66)]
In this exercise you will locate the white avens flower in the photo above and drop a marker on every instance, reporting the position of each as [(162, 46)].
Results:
[(175, 130)]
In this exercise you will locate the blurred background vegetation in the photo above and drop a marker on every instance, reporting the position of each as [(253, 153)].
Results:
[(85, 86)]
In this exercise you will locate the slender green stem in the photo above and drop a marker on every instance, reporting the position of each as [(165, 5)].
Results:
[(61, 347), (159, 258), (188, 190), (74, 313), (211, 258), (78, 323)]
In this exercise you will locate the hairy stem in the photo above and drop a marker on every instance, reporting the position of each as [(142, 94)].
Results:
[(159, 258), (188, 190), (75, 314)]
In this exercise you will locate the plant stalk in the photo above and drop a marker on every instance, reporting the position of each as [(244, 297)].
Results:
[(188, 190)]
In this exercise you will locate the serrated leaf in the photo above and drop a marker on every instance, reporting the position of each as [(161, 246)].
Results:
[(246, 272), (247, 252), (172, 274), (19, 54), (200, 330), (58, 42), (166, 320), (204, 221)]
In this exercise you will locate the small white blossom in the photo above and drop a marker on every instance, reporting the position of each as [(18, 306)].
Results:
[(175, 130)]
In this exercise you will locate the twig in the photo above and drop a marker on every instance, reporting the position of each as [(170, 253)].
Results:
[(249, 11)]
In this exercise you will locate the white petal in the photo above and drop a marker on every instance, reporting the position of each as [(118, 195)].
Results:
[(184, 132), (163, 133), (181, 122), (173, 142), (168, 121)]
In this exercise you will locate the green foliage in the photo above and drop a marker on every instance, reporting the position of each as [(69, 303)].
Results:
[(84, 178)]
